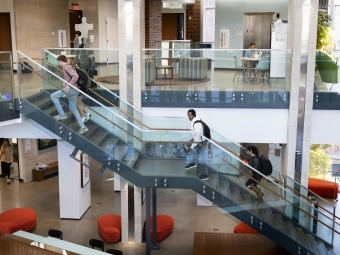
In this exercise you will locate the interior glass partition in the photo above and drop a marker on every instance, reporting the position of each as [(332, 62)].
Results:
[(6, 84), (215, 78)]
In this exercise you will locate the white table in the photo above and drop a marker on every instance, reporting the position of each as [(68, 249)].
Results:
[(59, 243), (250, 59), (247, 75)]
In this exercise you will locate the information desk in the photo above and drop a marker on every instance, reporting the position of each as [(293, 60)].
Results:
[(59, 243)]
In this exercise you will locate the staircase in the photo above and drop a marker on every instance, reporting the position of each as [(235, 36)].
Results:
[(120, 146)]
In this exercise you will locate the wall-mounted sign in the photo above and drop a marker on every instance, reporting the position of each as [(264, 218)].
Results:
[(335, 170)]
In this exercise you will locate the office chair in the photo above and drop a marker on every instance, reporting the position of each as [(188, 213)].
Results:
[(262, 68), (114, 252), (96, 243), (328, 69), (55, 233)]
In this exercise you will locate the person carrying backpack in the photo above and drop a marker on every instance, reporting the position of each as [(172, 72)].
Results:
[(195, 149), (85, 115), (254, 162)]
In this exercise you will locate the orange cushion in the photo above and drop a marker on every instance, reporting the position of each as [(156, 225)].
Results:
[(17, 219), (165, 226), (323, 188), (109, 226), (243, 228)]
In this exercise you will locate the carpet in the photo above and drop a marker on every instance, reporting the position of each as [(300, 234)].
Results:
[(114, 79)]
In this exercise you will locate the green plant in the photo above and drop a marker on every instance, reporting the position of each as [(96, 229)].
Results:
[(324, 39), (319, 161)]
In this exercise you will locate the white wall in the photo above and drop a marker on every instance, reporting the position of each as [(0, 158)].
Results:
[(8, 6), (239, 125), (106, 9), (325, 127), (229, 16)]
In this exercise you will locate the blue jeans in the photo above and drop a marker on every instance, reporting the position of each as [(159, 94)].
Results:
[(72, 95), (199, 155)]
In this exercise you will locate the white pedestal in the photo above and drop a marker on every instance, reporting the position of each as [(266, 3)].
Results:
[(202, 201), (116, 182), (74, 200)]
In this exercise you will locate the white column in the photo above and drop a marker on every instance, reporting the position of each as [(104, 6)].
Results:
[(74, 200), (302, 27), (124, 196), (122, 48)]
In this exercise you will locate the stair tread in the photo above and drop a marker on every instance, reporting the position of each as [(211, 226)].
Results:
[(312, 244), (322, 248), (302, 238), (119, 151), (130, 158), (279, 223), (235, 194), (224, 188), (291, 230), (97, 135), (41, 101), (213, 181), (108, 143), (267, 216), (245, 199)]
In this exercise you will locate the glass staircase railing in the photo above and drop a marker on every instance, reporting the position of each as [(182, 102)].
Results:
[(145, 122), (124, 148)]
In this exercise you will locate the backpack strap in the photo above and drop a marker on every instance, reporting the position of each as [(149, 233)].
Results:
[(199, 121)]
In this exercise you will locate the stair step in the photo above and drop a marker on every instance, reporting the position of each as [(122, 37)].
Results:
[(213, 181), (130, 158), (268, 216), (330, 251), (119, 151), (235, 194), (96, 135), (312, 244), (279, 223), (322, 248), (107, 143), (302, 238), (291, 230), (224, 188), (42, 102), (245, 199)]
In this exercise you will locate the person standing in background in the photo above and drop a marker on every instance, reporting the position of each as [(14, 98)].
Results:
[(6, 158)]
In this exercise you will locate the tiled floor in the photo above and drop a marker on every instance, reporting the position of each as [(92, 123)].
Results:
[(180, 204)]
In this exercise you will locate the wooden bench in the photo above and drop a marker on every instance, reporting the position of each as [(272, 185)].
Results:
[(43, 174)]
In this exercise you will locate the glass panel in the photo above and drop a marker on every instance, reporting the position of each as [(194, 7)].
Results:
[(6, 84), (215, 78)]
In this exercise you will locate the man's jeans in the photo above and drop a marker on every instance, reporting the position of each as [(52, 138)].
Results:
[(199, 155), (72, 95)]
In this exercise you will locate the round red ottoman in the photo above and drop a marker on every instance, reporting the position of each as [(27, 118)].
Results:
[(109, 226), (244, 229), (165, 226), (17, 219)]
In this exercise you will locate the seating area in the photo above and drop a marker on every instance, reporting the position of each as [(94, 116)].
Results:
[(17, 219), (323, 188), (109, 226), (165, 226)]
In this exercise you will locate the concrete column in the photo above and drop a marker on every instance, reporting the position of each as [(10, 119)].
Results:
[(124, 197), (302, 28), (74, 200)]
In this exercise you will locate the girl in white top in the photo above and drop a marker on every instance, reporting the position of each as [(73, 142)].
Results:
[(6, 158)]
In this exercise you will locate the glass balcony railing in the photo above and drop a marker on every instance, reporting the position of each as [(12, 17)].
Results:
[(326, 85), (148, 160), (216, 78), (6, 85)]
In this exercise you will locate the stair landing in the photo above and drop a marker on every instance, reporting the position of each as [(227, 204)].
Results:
[(230, 243)]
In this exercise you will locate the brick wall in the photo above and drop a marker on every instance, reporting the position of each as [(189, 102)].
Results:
[(193, 26), (35, 22), (153, 23)]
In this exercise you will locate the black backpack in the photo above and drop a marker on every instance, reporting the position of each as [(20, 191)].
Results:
[(206, 129), (83, 79), (26, 67), (266, 166)]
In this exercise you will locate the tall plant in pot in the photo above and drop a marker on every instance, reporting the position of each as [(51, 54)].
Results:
[(324, 38)]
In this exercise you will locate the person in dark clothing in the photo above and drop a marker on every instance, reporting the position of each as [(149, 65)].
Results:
[(254, 162)]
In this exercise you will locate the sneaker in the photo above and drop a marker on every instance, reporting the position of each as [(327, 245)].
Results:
[(204, 177), (191, 165), (60, 117), (83, 130), (83, 118), (8, 181)]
